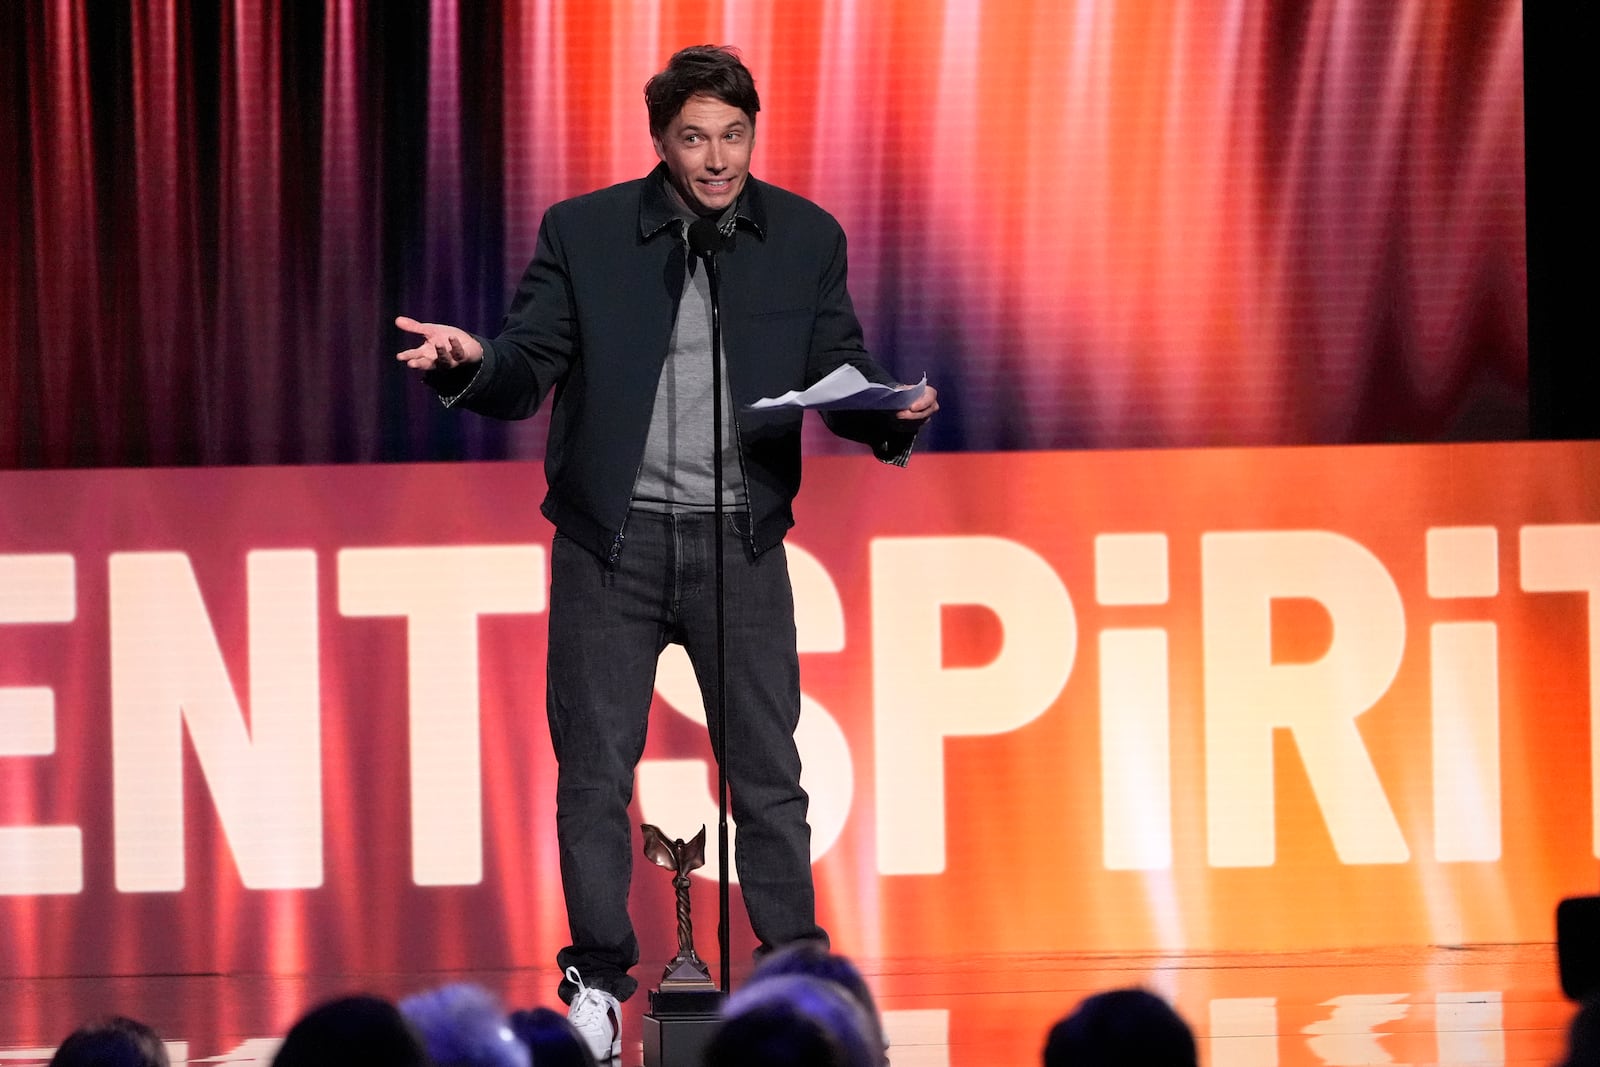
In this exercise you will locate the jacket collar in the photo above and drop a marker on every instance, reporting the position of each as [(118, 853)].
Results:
[(656, 210)]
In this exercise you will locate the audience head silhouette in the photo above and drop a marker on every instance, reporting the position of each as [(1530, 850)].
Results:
[(793, 1020), (352, 1031), (1583, 1036), (115, 1041), (1121, 1028), (464, 1025), (813, 958), (551, 1039)]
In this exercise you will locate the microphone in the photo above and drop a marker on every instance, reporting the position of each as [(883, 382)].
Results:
[(705, 239)]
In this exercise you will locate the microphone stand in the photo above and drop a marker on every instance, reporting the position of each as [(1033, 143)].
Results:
[(704, 241)]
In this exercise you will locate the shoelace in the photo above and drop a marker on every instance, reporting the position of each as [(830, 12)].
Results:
[(587, 1004)]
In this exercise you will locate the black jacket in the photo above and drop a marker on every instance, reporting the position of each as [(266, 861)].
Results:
[(592, 320)]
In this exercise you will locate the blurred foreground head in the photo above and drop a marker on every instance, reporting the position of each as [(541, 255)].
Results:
[(116, 1041), (813, 958), (1583, 1036), (1121, 1028), (794, 1020), (464, 1025), (353, 1031), (551, 1039)]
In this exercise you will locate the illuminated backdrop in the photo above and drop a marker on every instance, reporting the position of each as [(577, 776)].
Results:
[(1188, 699), (1093, 224), (290, 719)]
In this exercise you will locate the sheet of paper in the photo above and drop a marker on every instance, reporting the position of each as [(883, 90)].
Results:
[(846, 389)]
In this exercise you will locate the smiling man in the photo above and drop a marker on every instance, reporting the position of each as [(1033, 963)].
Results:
[(706, 149), (613, 316)]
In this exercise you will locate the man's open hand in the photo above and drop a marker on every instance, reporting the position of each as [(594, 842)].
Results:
[(442, 346)]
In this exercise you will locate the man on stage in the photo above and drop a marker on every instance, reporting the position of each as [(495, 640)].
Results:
[(614, 315)]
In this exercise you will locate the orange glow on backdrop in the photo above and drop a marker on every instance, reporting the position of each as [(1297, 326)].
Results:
[(1138, 701), (1104, 224), (1214, 223)]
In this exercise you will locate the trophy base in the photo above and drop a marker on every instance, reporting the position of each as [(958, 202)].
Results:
[(679, 1025), (677, 1040), (665, 1001), (687, 971)]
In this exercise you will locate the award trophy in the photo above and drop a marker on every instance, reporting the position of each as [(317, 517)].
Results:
[(685, 1009)]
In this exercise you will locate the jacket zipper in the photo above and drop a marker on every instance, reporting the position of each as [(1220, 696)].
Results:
[(738, 436), (738, 449)]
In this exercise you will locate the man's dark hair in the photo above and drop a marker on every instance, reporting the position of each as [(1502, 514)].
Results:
[(701, 70), (1583, 1036), (552, 1039), (815, 959), (352, 1031), (793, 1020), (117, 1041), (1121, 1027)]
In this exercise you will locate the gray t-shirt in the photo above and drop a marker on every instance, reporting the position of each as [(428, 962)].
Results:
[(678, 473)]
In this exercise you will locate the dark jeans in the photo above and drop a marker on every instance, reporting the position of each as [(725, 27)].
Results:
[(607, 628)]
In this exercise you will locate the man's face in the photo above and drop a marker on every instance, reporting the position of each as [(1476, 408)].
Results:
[(706, 148)]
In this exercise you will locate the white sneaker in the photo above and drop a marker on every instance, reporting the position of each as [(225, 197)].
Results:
[(596, 1015)]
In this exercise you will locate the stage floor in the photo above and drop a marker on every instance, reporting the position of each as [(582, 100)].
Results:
[(1479, 1005)]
